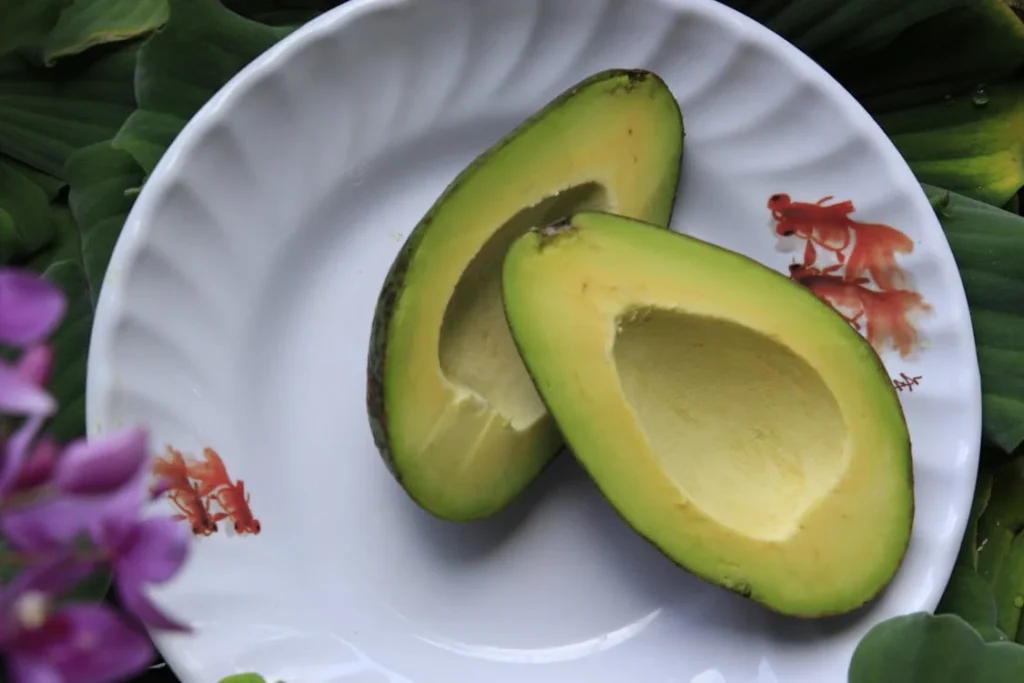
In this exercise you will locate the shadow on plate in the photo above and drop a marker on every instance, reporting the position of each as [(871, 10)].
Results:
[(466, 542)]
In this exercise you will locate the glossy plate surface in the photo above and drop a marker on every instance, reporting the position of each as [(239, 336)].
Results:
[(236, 316)]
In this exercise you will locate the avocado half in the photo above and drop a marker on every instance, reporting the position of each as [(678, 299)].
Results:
[(453, 411), (732, 418)]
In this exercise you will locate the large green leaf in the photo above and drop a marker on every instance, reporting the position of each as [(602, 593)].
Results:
[(968, 556), (67, 242), (202, 47), (1001, 553), (281, 12), (933, 73), (101, 178), (970, 597), (87, 23), (24, 215), (880, 46), (47, 113), (71, 351), (948, 54), (973, 144), (25, 22), (968, 594), (924, 648), (988, 245), (50, 185)]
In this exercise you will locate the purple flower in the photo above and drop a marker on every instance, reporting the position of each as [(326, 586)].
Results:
[(16, 451), (146, 552), (52, 499), (30, 307), (100, 488), (85, 643), (21, 385), (88, 483), (102, 465)]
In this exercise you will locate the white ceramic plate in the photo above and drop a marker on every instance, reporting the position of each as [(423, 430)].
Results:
[(236, 315)]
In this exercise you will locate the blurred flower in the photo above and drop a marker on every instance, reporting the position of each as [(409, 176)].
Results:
[(30, 307), (15, 451), (102, 465), (84, 643), (20, 392), (75, 493), (142, 553), (67, 513), (44, 642)]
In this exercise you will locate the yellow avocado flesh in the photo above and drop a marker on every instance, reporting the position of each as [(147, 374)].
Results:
[(454, 412), (732, 418)]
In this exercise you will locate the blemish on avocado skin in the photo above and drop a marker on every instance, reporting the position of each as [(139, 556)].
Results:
[(634, 78), (554, 231), (637, 76), (741, 588)]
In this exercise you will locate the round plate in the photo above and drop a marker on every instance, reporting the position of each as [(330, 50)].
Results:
[(236, 315)]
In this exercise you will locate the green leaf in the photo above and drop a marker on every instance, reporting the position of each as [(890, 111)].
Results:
[(931, 58), (281, 12), (100, 178), (968, 556), (1008, 588), (924, 648), (47, 113), (878, 46), (71, 350), (973, 145), (1001, 555), (25, 22), (87, 23), (24, 215), (988, 245), (67, 243), (243, 678), (181, 67), (970, 597), (50, 185), (934, 73)]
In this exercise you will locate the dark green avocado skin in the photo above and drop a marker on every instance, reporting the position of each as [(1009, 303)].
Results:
[(394, 282)]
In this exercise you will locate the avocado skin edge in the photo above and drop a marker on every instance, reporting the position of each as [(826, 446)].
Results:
[(394, 281), (745, 588)]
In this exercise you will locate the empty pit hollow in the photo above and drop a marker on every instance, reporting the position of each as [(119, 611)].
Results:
[(476, 346), (747, 429)]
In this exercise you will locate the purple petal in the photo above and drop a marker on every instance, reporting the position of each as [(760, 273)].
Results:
[(37, 469), (86, 643), (51, 523), (135, 602), (102, 465), (30, 307), (20, 396), (55, 575), (16, 450), (107, 519), (35, 364), (154, 552), (29, 669)]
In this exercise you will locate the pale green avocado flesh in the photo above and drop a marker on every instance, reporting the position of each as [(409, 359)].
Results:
[(732, 418), (453, 411)]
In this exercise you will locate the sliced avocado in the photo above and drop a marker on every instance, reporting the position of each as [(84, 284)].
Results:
[(453, 411), (733, 419)]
